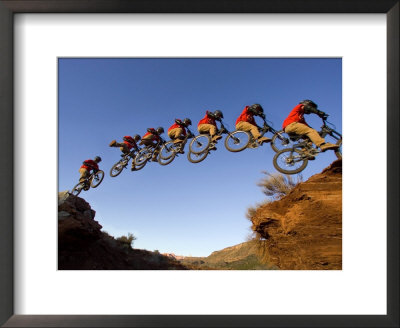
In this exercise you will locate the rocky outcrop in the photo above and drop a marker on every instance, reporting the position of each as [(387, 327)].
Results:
[(83, 246), (303, 230)]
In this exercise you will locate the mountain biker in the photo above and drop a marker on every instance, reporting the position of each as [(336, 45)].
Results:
[(246, 122), (208, 125), (85, 169), (151, 139), (295, 123), (126, 146), (177, 132)]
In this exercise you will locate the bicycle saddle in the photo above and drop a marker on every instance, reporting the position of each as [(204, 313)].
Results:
[(296, 137)]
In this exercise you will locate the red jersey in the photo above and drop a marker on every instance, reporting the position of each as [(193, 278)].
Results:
[(296, 115), (246, 116), (151, 136), (129, 142), (90, 165), (207, 120), (176, 126)]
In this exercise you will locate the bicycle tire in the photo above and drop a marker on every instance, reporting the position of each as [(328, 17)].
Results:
[(141, 158), (196, 158), (162, 161), (170, 147), (202, 147), (233, 135), (97, 179), (137, 168), (283, 141), (281, 169), (118, 167), (75, 191)]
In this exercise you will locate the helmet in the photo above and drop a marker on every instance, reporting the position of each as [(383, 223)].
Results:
[(97, 159), (218, 114), (178, 121), (187, 121), (308, 104), (136, 137), (256, 109), (160, 130)]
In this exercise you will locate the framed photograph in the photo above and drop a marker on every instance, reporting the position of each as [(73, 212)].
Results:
[(73, 75)]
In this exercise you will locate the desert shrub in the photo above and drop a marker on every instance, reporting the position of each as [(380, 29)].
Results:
[(251, 211), (127, 240), (277, 185)]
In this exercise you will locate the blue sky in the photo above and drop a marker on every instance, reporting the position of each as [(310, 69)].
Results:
[(183, 208)]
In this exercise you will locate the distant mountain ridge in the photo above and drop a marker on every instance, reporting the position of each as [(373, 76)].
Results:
[(242, 256)]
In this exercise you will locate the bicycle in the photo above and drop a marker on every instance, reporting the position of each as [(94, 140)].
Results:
[(281, 141), (94, 180), (146, 153), (170, 150), (294, 159), (122, 163), (240, 140), (202, 145)]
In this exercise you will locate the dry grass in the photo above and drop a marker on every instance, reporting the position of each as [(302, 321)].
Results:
[(251, 210), (277, 185)]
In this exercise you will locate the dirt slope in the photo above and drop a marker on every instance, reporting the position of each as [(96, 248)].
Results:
[(303, 230), (83, 246)]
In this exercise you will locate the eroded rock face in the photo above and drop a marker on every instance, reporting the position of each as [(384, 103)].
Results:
[(303, 230), (76, 222), (83, 246)]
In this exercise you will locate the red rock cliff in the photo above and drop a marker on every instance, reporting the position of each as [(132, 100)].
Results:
[(303, 230)]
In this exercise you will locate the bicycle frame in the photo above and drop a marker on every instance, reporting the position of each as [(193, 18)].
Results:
[(155, 146), (327, 130), (183, 143), (223, 130), (302, 141), (263, 130), (89, 179), (266, 128)]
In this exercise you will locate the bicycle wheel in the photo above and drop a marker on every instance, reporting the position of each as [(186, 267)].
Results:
[(77, 189), (142, 157), (168, 150), (118, 167), (167, 153), (98, 177), (200, 144), (196, 158), (237, 141), (290, 161), (280, 141), (338, 152)]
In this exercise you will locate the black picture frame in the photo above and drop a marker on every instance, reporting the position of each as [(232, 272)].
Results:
[(10, 7)]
